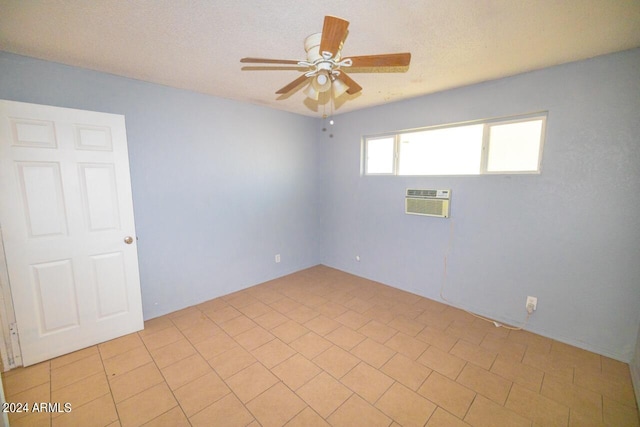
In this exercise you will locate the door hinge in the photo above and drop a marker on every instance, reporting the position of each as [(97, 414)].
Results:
[(14, 356), (13, 329)]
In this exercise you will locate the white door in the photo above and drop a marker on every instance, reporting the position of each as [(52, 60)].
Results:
[(67, 222)]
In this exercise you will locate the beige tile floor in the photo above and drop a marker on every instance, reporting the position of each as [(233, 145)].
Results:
[(322, 347)]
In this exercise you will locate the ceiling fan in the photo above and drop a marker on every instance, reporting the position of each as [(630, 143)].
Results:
[(325, 65)]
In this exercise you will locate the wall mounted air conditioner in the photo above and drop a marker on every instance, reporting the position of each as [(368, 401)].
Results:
[(428, 202)]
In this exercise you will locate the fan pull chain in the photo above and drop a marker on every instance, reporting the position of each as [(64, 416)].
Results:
[(324, 116), (331, 116)]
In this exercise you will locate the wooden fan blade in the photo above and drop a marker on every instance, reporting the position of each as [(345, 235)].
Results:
[(294, 84), (386, 60), (353, 86), (333, 33), (274, 68), (268, 61)]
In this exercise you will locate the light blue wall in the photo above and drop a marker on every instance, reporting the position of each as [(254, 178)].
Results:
[(219, 187), (569, 236)]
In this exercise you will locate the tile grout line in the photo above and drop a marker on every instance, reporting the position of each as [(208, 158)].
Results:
[(212, 368), (231, 391), (311, 379), (475, 394), (109, 384), (51, 369), (163, 378), (281, 362)]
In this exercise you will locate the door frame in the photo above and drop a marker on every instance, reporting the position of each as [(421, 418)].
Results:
[(9, 344)]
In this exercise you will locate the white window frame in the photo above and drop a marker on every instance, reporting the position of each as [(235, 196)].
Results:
[(395, 154), (488, 123)]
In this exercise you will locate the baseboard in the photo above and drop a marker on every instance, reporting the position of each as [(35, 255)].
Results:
[(634, 366)]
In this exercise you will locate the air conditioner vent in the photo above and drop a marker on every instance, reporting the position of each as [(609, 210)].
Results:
[(422, 193), (428, 202)]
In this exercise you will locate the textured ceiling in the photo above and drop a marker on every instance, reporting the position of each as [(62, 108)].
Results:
[(197, 45)]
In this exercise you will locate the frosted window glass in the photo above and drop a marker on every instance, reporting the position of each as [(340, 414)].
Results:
[(514, 147), (380, 155), (448, 151)]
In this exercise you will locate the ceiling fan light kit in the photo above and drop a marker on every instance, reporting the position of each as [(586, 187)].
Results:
[(321, 81), (311, 92), (325, 63), (338, 87)]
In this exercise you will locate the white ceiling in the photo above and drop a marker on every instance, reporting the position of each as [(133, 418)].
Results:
[(197, 44)]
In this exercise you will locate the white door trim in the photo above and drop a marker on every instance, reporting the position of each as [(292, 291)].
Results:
[(9, 344)]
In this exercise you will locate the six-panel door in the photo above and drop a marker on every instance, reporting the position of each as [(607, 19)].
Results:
[(65, 211)]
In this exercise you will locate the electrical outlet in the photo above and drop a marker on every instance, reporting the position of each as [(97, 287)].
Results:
[(277, 258), (532, 304)]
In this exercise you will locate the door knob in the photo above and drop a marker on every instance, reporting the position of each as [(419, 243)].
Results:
[(128, 240)]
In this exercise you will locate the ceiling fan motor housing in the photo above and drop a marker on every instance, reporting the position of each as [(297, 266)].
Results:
[(312, 47)]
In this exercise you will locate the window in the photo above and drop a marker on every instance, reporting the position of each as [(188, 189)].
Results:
[(446, 151), (515, 146), (501, 146), (380, 155)]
